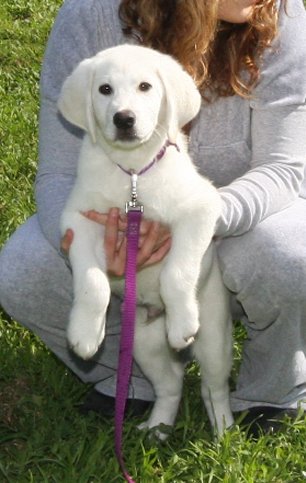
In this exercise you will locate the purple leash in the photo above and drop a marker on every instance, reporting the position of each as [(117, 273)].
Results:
[(127, 334), (134, 212)]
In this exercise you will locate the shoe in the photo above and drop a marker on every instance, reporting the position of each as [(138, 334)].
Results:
[(105, 405), (264, 420)]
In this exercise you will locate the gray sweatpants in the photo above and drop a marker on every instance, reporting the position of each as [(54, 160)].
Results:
[(264, 269)]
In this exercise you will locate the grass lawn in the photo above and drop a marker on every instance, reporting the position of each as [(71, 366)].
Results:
[(43, 438)]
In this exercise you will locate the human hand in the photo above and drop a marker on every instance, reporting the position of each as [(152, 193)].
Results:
[(154, 240)]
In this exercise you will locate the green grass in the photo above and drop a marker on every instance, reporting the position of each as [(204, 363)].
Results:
[(43, 438), (25, 25)]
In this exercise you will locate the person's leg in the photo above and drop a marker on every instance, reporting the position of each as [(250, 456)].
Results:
[(266, 269), (36, 290)]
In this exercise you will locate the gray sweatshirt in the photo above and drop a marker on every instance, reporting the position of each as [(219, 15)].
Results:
[(254, 150)]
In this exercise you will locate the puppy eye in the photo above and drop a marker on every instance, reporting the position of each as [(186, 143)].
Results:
[(105, 89), (144, 86)]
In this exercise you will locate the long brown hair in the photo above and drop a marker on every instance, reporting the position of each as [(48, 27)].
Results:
[(223, 58)]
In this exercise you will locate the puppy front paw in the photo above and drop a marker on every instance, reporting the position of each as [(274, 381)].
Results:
[(85, 333), (181, 334)]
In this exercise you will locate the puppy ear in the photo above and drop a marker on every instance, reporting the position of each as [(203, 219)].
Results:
[(75, 100), (181, 95)]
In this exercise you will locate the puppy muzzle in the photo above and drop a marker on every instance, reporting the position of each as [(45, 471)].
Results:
[(124, 122)]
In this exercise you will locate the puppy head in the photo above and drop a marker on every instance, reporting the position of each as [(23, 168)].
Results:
[(128, 93)]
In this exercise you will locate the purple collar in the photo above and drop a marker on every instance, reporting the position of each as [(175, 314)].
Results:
[(157, 158)]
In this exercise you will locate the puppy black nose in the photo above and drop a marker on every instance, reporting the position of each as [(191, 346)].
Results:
[(124, 119)]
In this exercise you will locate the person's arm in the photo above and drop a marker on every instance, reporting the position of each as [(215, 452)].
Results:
[(76, 35), (278, 163), (278, 133)]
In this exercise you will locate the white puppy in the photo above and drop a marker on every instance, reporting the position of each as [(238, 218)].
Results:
[(132, 102)]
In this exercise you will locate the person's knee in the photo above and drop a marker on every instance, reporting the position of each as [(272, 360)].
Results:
[(280, 266), (30, 271), (292, 276), (265, 268), (9, 279)]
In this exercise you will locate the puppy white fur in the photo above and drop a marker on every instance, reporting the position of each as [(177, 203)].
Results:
[(130, 100)]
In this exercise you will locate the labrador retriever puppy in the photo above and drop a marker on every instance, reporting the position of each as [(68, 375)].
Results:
[(132, 102)]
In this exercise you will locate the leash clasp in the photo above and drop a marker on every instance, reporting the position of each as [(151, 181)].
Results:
[(133, 204)]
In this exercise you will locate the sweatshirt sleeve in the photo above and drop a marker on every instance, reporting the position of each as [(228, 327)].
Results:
[(79, 32), (278, 132)]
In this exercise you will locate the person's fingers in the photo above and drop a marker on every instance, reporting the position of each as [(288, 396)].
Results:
[(145, 257), (101, 218), (145, 225), (116, 265), (159, 254), (149, 243), (111, 234), (163, 236), (114, 244), (154, 240), (66, 241), (93, 215)]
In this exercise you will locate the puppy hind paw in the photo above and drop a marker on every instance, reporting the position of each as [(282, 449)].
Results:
[(143, 426), (159, 433)]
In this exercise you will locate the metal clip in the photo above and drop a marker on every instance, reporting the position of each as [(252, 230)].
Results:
[(133, 204)]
